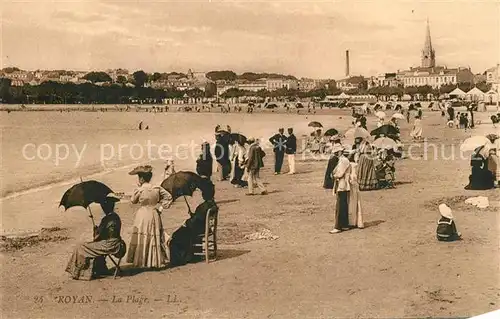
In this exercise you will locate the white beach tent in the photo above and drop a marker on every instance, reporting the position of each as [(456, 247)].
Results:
[(475, 94), (343, 96), (491, 96), (457, 92), (406, 97)]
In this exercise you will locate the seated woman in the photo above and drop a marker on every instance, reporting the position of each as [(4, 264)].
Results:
[(183, 239), (88, 260), (367, 161), (385, 169), (481, 177), (446, 229)]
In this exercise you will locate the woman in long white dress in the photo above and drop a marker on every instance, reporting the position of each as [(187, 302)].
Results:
[(355, 212), (416, 132), (147, 247)]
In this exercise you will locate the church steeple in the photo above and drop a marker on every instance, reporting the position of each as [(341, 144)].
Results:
[(428, 53)]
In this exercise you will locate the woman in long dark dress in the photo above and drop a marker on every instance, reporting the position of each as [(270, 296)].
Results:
[(221, 153), (481, 177), (87, 261), (332, 163), (205, 162), (184, 238)]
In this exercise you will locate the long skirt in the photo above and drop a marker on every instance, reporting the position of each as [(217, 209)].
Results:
[(182, 245), (367, 177), (223, 170), (355, 213), (416, 132), (237, 174), (493, 163), (88, 258), (147, 248), (342, 210)]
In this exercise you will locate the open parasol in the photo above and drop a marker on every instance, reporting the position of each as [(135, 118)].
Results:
[(385, 130), (185, 183), (83, 194), (385, 143), (398, 116), (331, 132), (473, 142), (356, 132), (237, 137), (315, 124), (380, 114)]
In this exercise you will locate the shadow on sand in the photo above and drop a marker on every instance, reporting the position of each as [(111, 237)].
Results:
[(403, 183), (275, 191), (223, 254), (303, 172), (130, 270), (227, 201), (374, 223)]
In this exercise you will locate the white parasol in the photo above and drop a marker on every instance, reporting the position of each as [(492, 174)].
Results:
[(355, 132), (473, 142), (398, 116), (380, 114), (385, 143)]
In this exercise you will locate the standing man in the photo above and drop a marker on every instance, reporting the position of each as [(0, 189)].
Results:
[(291, 149), (254, 164), (341, 174), (279, 147)]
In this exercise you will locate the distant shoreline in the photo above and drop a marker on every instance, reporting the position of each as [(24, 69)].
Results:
[(144, 108)]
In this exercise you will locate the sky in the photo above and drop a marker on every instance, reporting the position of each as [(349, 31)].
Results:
[(302, 38)]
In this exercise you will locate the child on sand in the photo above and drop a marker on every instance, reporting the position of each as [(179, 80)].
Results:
[(446, 229)]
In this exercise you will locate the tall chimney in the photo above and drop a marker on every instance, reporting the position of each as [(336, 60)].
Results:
[(347, 63)]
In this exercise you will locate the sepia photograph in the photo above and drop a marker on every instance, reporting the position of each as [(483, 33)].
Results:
[(249, 159)]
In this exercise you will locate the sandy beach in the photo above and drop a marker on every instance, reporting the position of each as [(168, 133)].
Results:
[(393, 268)]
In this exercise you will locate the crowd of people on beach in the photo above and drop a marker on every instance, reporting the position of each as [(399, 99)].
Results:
[(351, 169)]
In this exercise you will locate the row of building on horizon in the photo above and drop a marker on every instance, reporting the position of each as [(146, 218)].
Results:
[(427, 74)]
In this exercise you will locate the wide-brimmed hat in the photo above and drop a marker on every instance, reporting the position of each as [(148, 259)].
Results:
[(112, 197), (445, 211), (141, 170)]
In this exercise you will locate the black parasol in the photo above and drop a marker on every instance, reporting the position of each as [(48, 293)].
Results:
[(315, 124), (331, 132), (237, 137), (185, 183), (385, 130), (83, 194)]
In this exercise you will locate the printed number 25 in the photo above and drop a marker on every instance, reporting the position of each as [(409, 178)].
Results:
[(38, 299)]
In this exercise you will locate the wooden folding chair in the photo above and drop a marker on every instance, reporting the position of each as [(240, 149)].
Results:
[(119, 255), (209, 238), (117, 265)]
